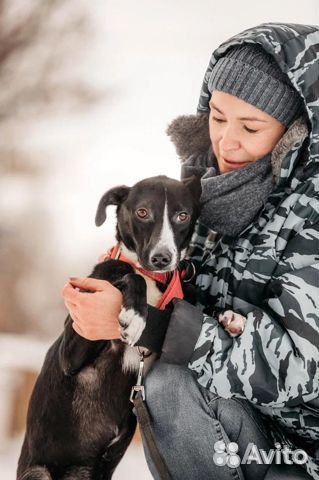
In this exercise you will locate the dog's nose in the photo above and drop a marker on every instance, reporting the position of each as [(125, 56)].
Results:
[(161, 259)]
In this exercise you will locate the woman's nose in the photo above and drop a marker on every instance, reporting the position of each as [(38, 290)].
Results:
[(229, 140)]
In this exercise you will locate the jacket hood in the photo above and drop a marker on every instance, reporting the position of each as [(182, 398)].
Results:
[(296, 50)]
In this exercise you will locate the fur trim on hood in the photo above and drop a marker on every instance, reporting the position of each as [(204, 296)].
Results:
[(190, 135)]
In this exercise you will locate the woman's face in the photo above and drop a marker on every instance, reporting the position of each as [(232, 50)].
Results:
[(240, 133)]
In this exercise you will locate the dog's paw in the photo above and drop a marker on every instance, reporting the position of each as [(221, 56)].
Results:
[(132, 325), (233, 323)]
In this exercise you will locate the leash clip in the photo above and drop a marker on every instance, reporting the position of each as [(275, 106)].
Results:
[(135, 390), (139, 387)]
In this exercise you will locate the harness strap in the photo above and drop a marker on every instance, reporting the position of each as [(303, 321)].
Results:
[(173, 290)]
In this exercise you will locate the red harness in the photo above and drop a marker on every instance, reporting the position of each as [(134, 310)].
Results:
[(174, 287)]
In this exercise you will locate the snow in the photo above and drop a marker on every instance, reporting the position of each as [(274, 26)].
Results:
[(133, 465)]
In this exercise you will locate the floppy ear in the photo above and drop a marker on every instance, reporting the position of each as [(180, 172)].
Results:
[(194, 185), (115, 196)]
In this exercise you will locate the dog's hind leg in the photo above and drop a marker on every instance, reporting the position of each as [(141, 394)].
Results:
[(35, 473), (116, 450)]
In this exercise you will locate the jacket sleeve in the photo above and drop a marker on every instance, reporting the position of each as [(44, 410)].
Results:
[(275, 361), (155, 329)]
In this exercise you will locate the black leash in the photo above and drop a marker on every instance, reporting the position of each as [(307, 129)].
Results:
[(138, 398)]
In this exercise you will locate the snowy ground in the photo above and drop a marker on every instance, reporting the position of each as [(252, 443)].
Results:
[(133, 465)]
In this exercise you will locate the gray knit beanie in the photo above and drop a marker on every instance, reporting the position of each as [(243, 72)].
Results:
[(251, 74)]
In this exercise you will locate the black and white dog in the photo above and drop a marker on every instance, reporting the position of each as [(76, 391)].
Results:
[(80, 419)]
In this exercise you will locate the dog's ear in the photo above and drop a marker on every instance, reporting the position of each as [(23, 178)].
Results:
[(115, 196), (194, 185)]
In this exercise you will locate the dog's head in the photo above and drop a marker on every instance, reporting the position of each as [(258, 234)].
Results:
[(155, 219)]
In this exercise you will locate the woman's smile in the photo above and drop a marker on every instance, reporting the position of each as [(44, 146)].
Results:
[(234, 163)]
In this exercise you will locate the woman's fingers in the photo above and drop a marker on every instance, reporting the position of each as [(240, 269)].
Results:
[(79, 330), (69, 293), (91, 284), (94, 313), (70, 305)]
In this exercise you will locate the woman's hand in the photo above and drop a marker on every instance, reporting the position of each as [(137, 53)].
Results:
[(95, 315)]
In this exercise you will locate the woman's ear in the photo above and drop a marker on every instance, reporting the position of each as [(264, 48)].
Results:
[(115, 196)]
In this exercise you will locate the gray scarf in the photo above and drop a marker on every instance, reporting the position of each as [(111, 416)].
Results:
[(230, 201)]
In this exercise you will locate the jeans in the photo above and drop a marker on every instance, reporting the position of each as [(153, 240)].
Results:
[(188, 420)]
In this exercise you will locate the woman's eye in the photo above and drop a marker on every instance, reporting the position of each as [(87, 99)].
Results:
[(250, 130), (218, 120), (182, 217), (142, 213)]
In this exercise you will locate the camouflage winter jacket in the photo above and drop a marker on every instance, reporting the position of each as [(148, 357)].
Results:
[(270, 272)]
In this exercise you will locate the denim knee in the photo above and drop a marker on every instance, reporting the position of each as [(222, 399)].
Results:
[(170, 387), (167, 385), (237, 414)]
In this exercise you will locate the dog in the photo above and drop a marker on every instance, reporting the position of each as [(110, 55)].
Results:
[(80, 420)]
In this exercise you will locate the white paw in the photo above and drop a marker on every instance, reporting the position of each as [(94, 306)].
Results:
[(233, 323), (132, 325)]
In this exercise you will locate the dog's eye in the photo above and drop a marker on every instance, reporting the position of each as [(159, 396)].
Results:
[(182, 217), (142, 213)]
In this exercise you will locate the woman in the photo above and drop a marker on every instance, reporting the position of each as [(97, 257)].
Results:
[(255, 143)]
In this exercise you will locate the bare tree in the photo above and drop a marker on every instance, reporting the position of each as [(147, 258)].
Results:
[(41, 42), (38, 38)]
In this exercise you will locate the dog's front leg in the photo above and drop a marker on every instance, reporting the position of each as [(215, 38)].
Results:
[(133, 314)]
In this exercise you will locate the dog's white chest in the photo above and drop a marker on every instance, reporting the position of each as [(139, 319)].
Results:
[(153, 294)]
